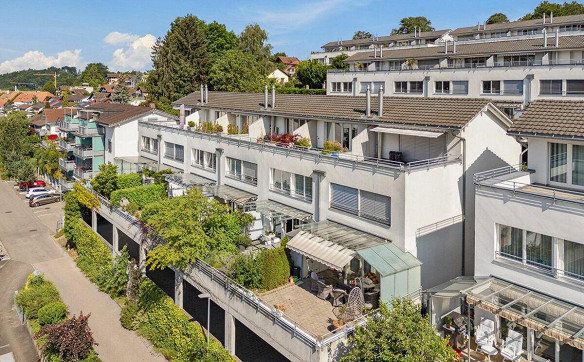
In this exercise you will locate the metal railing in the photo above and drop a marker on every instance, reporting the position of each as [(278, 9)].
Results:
[(66, 165), (68, 126), (83, 152), (66, 145), (83, 174), (498, 172), (90, 131), (541, 268), (318, 155)]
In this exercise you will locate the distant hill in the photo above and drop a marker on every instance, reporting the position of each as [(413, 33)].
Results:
[(27, 79)]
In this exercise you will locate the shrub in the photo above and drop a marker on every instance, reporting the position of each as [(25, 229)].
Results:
[(242, 240), (232, 129), (274, 268), (139, 196), (52, 313), (332, 146), (170, 330), (128, 315), (72, 339), (105, 182), (37, 293), (129, 180), (158, 176), (246, 271), (303, 142), (115, 283), (191, 124), (210, 127)]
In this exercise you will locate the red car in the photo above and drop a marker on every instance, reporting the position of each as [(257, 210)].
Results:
[(24, 185)]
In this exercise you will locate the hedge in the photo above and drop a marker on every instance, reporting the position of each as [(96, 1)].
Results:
[(139, 196), (128, 180), (52, 313), (267, 270), (37, 293), (170, 330)]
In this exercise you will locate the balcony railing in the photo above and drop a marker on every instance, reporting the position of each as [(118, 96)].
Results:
[(89, 131), (341, 158), (542, 268), (81, 173), (68, 126), (66, 145), (66, 165), (83, 152)]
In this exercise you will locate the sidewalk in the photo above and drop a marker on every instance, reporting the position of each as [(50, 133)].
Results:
[(27, 239)]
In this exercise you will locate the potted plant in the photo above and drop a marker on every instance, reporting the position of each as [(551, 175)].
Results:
[(303, 142), (191, 125), (332, 148)]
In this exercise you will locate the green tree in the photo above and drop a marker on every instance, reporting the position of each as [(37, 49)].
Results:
[(193, 227), (106, 181), (181, 60), (311, 73), (17, 145), (219, 40), (50, 87), (253, 40), (236, 71), (407, 25), (95, 74), (47, 160), (398, 335), (558, 9), (362, 34), (120, 94), (339, 62), (497, 18)]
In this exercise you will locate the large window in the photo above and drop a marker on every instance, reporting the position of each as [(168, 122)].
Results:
[(550, 87), (242, 170), (460, 87), (575, 87), (526, 246), (298, 186), (578, 165), (566, 164), (416, 87), (368, 205), (492, 87), (174, 152), (205, 160), (401, 87), (574, 259), (149, 144), (513, 87), (442, 87)]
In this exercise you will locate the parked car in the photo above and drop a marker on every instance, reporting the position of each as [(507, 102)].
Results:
[(26, 185), (36, 191), (44, 199)]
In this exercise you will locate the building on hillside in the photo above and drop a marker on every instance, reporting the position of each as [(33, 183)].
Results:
[(279, 76), (31, 97), (289, 64), (103, 133), (47, 122), (529, 270), (514, 63)]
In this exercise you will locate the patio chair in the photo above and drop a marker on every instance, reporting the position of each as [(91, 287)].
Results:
[(324, 291), (513, 346), (339, 296), (485, 337)]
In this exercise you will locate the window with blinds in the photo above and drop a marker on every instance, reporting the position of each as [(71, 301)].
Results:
[(250, 172), (365, 204), (513, 87), (460, 87)]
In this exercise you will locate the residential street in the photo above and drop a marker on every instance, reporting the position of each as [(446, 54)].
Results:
[(26, 235)]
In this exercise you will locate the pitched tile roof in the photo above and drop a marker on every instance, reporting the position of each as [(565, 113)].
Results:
[(421, 111), (388, 38), (474, 49), (551, 118), (538, 23), (49, 116), (289, 60), (27, 97), (113, 113)]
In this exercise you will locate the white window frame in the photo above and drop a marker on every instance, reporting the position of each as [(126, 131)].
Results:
[(490, 82), (569, 169), (440, 90), (359, 213)]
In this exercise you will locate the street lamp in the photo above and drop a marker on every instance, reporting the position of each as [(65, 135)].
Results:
[(208, 297)]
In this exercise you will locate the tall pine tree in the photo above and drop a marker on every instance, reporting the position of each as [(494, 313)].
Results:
[(181, 60)]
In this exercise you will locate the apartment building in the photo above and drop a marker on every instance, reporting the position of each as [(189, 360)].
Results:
[(529, 245), (400, 172), (102, 133), (511, 63)]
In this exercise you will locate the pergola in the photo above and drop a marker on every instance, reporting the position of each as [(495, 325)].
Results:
[(277, 211), (130, 164), (188, 180), (556, 319), (233, 195)]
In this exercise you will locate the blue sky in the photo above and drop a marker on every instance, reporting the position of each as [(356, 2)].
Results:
[(120, 33)]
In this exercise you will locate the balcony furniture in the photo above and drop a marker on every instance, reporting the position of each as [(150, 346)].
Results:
[(339, 297), (396, 156), (513, 346), (324, 291), (355, 302), (371, 299), (485, 337)]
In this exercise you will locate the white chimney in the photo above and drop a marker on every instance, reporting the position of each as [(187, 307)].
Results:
[(266, 97), (273, 96), (552, 17), (545, 39), (202, 94), (380, 98), (445, 47), (181, 116), (454, 46), (544, 18), (557, 38), (381, 51), (374, 52), (206, 94), (368, 106)]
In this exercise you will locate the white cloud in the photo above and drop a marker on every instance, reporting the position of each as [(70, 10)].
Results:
[(308, 13), (38, 60), (134, 55)]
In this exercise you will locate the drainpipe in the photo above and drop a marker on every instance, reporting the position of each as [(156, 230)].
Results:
[(159, 138), (368, 106), (463, 140), (318, 177)]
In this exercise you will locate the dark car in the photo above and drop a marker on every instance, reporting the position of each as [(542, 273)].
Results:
[(44, 199), (25, 185)]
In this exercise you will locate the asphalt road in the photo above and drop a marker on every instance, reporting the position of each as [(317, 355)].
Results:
[(27, 236)]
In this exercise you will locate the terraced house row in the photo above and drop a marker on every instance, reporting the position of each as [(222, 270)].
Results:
[(511, 63)]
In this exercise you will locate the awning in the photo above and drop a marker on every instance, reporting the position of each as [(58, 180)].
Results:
[(408, 132), (189, 180), (323, 251), (388, 259), (554, 318), (232, 194), (276, 210)]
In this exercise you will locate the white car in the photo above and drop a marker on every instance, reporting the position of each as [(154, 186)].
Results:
[(36, 191)]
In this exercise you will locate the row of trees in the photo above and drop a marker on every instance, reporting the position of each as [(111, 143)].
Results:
[(407, 25)]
